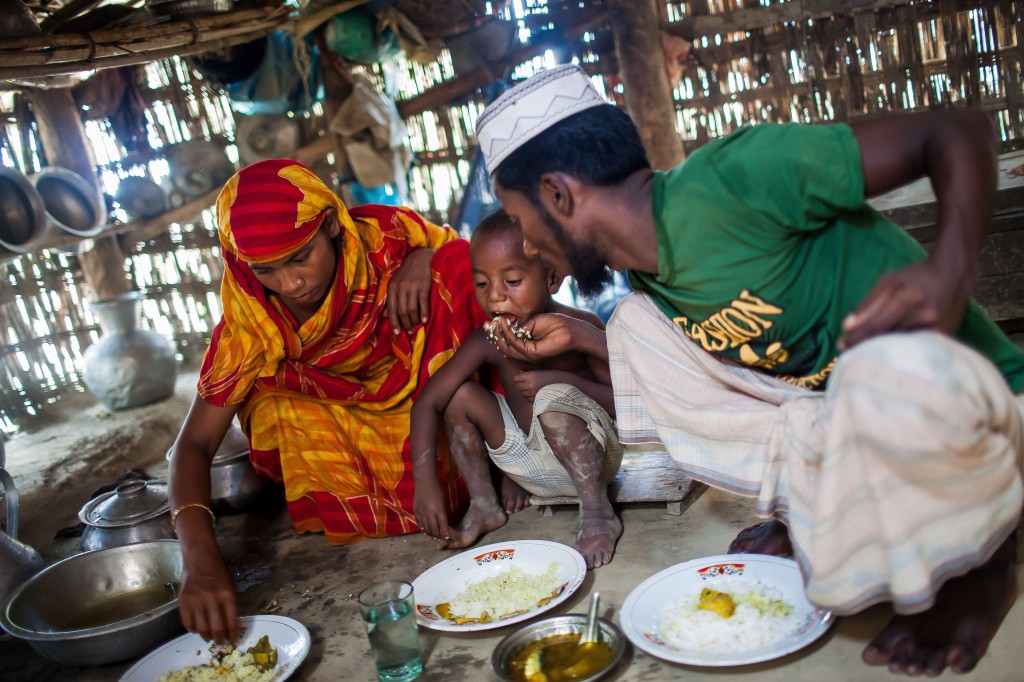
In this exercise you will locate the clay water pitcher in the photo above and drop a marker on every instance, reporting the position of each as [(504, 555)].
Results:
[(128, 367), (18, 561)]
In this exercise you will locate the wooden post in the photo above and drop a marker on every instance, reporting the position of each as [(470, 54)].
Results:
[(63, 138), (642, 69)]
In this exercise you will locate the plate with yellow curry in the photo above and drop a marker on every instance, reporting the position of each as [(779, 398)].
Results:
[(497, 585), (726, 610), (269, 649)]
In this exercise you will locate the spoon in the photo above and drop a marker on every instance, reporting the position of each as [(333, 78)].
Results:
[(591, 631)]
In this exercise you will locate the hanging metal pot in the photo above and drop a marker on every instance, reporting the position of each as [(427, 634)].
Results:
[(23, 222), (136, 511), (141, 197), (197, 167), (73, 206), (266, 136)]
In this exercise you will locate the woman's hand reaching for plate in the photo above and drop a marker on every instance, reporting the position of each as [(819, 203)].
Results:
[(207, 600)]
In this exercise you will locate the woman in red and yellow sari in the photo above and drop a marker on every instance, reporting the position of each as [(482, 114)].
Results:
[(333, 320)]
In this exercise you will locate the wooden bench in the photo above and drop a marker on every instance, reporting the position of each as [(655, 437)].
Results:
[(647, 474)]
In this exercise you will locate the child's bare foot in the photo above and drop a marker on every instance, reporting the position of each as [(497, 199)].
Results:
[(513, 497), (770, 537), (956, 632), (599, 531), (482, 517)]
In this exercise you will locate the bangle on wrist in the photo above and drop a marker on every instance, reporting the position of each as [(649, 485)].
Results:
[(197, 505)]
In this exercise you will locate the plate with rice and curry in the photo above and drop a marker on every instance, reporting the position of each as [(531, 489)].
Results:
[(726, 610), (269, 649), (497, 585)]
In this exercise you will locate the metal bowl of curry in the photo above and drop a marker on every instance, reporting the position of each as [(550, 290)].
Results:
[(549, 646)]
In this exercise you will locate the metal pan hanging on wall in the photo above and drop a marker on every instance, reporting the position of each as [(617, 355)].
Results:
[(197, 167), (266, 136), (23, 223), (73, 206)]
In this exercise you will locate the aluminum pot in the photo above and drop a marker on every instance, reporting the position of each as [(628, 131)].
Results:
[(73, 206), (234, 483), (135, 511), (23, 222), (136, 584)]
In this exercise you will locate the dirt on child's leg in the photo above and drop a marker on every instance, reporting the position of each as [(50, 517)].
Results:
[(583, 457), (473, 415)]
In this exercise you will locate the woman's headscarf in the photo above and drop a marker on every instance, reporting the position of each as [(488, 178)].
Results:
[(267, 211)]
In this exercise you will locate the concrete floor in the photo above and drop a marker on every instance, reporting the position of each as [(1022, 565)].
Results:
[(57, 463)]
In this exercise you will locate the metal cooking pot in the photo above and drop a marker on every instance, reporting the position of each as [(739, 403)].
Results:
[(234, 483), (136, 511), (18, 561)]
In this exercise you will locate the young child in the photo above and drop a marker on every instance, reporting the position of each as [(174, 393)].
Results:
[(551, 432)]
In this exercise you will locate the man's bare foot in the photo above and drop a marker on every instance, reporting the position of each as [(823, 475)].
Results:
[(513, 497), (599, 531), (482, 517), (956, 632), (770, 537)]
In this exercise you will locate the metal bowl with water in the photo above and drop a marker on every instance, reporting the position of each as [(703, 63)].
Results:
[(558, 625), (99, 607)]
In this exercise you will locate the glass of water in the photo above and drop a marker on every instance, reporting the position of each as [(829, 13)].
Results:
[(389, 613)]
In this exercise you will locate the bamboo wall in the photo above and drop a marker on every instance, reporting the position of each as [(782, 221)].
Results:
[(842, 67)]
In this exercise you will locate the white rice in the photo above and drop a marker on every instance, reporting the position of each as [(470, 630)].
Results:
[(683, 626), (506, 593), (238, 666)]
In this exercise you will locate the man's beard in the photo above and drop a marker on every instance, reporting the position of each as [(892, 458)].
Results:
[(591, 273)]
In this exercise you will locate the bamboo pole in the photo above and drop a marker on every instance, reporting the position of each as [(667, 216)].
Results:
[(642, 69), (97, 55), (128, 60)]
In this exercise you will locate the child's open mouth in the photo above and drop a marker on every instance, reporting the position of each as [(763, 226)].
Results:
[(492, 327)]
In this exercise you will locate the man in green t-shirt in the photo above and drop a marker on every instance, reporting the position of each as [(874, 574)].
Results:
[(787, 342)]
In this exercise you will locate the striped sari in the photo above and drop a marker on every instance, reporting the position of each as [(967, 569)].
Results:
[(326, 404)]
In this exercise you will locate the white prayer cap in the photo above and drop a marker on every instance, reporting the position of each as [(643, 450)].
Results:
[(531, 107)]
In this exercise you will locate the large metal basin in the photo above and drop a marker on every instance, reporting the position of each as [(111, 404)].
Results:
[(122, 584)]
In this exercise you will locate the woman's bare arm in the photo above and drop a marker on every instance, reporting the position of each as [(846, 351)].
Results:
[(207, 601)]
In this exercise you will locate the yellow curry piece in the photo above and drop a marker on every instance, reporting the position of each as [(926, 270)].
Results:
[(263, 655), (716, 602), (559, 658)]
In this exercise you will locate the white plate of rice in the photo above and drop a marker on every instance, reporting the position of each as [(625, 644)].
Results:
[(288, 636), (510, 581), (772, 616)]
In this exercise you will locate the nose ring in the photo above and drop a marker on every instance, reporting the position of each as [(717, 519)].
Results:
[(300, 281)]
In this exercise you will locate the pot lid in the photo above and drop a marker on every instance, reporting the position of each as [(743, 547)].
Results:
[(131, 503)]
